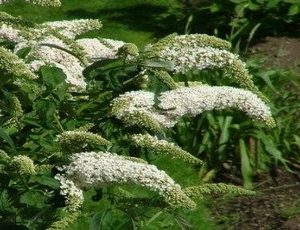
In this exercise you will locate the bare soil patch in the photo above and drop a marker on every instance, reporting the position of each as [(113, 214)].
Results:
[(279, 52), (276, 206)]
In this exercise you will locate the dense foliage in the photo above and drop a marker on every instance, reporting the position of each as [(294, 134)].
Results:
[(242, 21), (95, 132)]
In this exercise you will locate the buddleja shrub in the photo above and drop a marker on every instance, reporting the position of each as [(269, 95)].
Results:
[(83, 120)]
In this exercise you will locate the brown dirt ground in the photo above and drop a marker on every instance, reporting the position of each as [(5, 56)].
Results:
[(279, 52), (276, 206)]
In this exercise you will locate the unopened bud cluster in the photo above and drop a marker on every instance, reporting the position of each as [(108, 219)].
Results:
[(53, 3), (163, 147)]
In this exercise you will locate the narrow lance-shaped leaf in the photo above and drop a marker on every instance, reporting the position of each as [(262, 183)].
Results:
[(245, 164)]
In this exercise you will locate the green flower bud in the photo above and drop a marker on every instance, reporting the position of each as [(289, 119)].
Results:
[(220, 188), (129, 49), (22, 165)]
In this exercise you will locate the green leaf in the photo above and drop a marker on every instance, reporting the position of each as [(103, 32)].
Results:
[(253, 6), (31, 89), (224, 137), (239, 31), (52, 76), (292, 1), (98, 64), (22, 53), (46, 110), (293, 10), (297, 141), (60, 91), (245, 164), (266, 77), (206, 142), (33, 199), (156, 63), (54, 79), (271, 148), (212, 121), (7, 138), (155, 216), (214, 8), (272, 3), (31, 121), (238, 1), (251, 35), (262, 158), (240, 9), (45, 180), (110, 219), (96, 220), (5, 203)]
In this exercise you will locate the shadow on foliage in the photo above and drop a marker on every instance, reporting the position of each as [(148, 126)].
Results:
[(274, 22), (159, 20)]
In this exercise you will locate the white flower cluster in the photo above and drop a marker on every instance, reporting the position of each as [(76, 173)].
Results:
[(72, 28), (53, 43), (195, 100), (7, 32), (69, 64), (137, 108), (55, 3), (191, 101), (100, 49), (188, 40), (164, 147), (200, 51), (193, 52), (35, 65), (199, 58), (43, 53), (73, 194), (134, 101), (91, 169), (200, 40)]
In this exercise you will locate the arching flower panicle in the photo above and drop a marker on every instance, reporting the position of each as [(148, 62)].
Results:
[(194, 100), (200, 191), (137, 108), (72, 28), (91, 169), (187, 40), (100, 49), (53, 3), (163, 147), (77, 140)]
